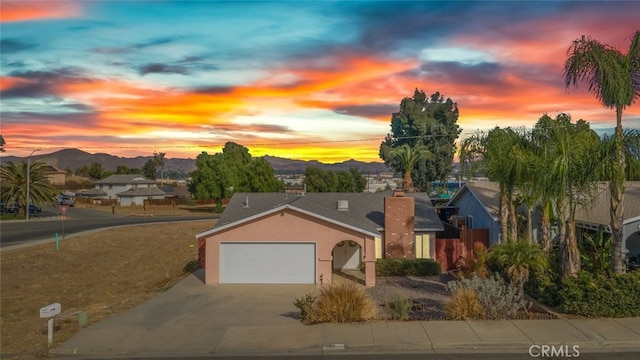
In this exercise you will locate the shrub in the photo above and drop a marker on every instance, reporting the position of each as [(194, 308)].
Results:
[(407, 267), (398, 307), (601, 296), (476, 265), (518, 259), (464, 305), (304, 304), (192, 266), (343, 302), (499, 299)]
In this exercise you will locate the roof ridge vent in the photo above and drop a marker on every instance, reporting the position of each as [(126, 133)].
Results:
[(343, 205)]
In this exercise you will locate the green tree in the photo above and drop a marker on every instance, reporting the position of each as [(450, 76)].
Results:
[(431, 122), (123, 169), (218, 176), (614, 78), (319, 180), (13, 184), (261, 177), (407, 157), (2, 143), (96, 171), (160, 161), (150, 169)]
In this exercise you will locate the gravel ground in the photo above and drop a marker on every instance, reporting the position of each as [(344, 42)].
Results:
[(429, 294)]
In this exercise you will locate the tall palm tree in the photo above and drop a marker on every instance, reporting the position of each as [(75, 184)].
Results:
[(13, 178), (504, 163), (408, 157), (572, 175), (614, 78)]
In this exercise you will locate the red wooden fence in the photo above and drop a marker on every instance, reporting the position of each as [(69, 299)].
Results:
[(449, 250)]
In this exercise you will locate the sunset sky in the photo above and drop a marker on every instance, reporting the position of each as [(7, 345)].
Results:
[(302, 80)]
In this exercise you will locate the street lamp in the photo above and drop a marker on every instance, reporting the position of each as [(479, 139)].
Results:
[(29, 181)]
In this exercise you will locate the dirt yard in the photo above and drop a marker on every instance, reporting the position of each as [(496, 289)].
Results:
[(102, 274)]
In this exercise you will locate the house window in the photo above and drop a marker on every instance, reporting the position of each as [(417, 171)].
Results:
[(110, 186), (422, 246), (378, 242)]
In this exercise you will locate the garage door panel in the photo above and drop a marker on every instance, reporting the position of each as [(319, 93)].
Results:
[(267, 263)]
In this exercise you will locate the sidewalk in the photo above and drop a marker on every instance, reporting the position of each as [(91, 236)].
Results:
[(199, 320)]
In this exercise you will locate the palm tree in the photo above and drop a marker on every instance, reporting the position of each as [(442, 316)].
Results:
[(14, 184), (504, 163), (519, 258), (614, 78), (408, 157)]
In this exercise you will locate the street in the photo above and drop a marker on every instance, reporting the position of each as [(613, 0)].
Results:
[(45, 225)]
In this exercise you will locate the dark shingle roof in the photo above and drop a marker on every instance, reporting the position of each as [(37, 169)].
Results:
[(366, 210), (150, 191), (487, 193)]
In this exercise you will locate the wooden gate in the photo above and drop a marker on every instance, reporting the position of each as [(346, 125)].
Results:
[(449, 250)]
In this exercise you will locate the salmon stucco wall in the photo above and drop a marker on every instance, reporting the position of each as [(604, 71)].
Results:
[(289, 225)]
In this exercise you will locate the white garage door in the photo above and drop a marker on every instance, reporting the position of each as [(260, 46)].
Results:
[(267, 263)]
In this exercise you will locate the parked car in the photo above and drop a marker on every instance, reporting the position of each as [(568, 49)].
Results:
[(34, 209), (65, 200), (11, 209)]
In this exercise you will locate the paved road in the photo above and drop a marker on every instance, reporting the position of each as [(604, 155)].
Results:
[(45, 225)]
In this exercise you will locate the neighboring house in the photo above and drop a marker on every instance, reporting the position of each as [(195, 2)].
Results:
[(478, 207), (281, 238), (598, 214), (55, 175), (137, 196), (129, 189)]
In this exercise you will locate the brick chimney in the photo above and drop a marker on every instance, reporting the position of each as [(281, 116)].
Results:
[(399, 232)]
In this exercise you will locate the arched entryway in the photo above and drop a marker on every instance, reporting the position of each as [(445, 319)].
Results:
[(347, 255)]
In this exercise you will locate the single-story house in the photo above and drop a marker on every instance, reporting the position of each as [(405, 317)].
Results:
[(137, 196), (478, 207), (598, 214), (281, 238), (55, 175)]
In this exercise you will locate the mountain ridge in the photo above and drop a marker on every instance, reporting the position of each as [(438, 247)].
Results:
[(75, 158)]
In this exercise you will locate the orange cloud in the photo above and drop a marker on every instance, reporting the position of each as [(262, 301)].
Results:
[(13, 11)]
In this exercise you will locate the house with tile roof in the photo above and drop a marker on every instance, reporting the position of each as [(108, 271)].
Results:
[(281, 238)]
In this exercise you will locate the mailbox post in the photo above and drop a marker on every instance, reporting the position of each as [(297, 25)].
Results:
[(48, 312)]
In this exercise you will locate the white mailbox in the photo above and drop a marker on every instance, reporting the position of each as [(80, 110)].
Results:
[(50, 310)]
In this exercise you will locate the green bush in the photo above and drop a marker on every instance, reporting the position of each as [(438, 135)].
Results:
[(343, 302), (407, 267), (601, 296), (192, 266), (544, 285), (398, 307), (304, 304)]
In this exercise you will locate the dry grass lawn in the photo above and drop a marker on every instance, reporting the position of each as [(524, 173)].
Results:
[(102, 274)]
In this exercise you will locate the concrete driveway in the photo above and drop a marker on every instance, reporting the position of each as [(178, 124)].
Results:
[(190, 318)]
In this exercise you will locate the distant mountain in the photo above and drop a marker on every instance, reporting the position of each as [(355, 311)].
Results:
[(74, 159)]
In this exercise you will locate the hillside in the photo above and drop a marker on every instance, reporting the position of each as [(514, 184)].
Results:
[(74, 159)]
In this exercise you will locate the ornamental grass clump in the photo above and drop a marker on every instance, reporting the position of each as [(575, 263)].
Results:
[(499, 299), (398, 307), (339, 303), (464, 305)]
